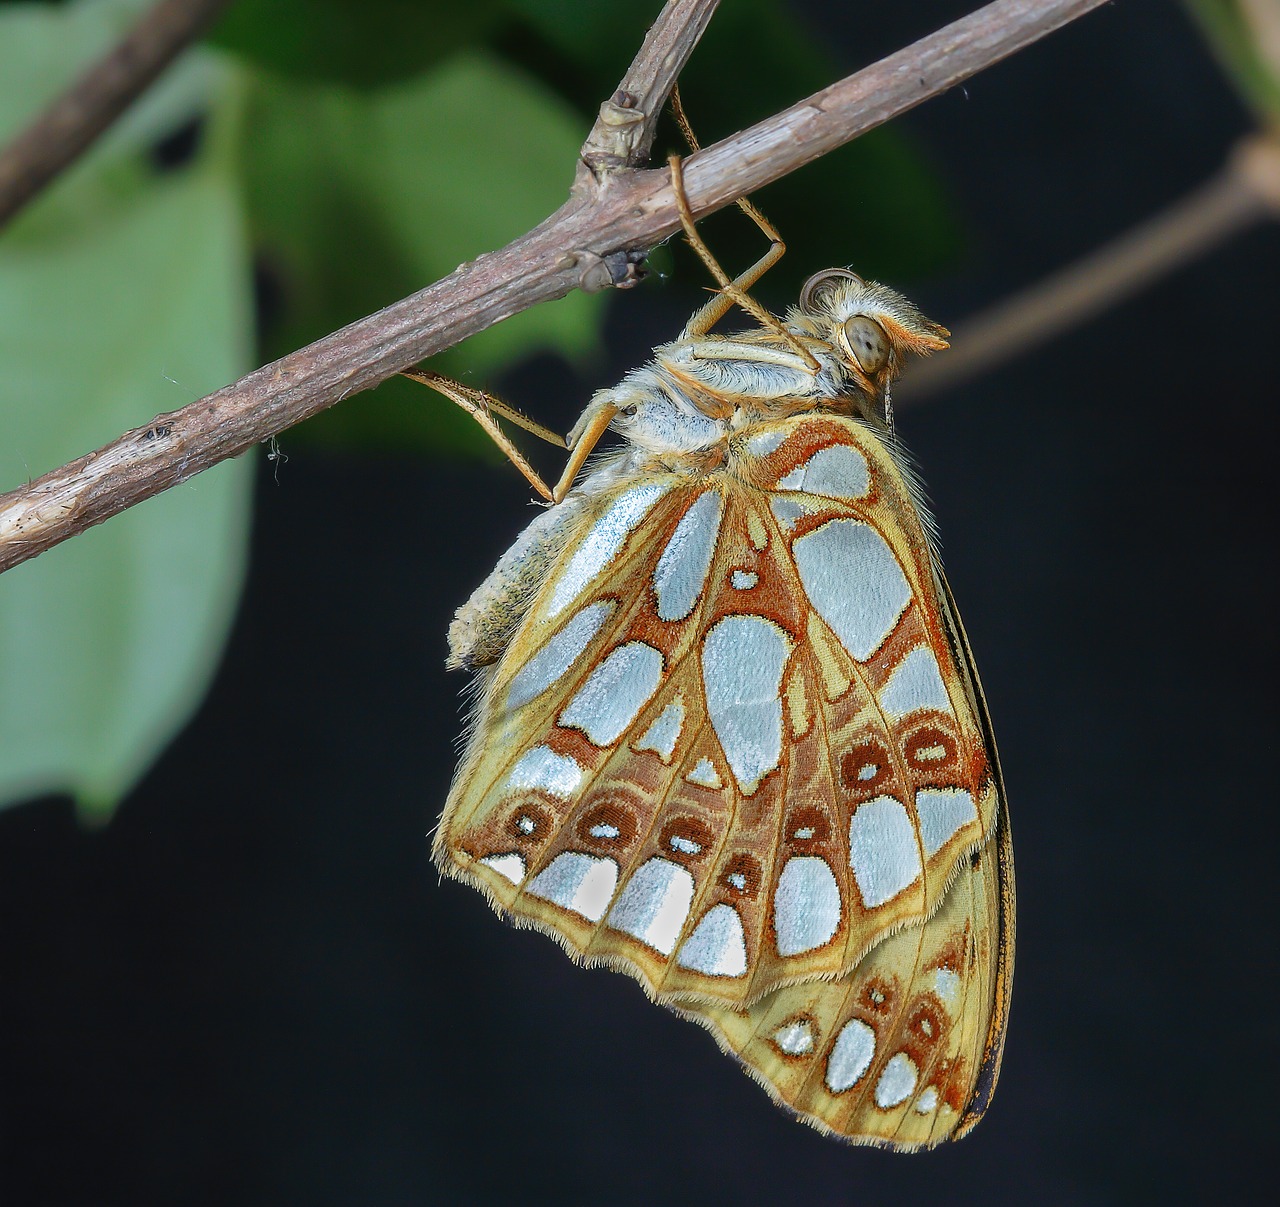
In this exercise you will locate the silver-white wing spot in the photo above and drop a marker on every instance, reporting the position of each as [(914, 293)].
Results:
[(883, 850), (510, 865), (577, 881), (742, 662), (717, 946), (661, 737), (763, 443), (704, 775), (897, 1082), (542, 767), (603, 543), (794, 1037), (806, 908), (943, 811), (681, 572), (654, 904), (927, 1101), (851, 1056), (852, 577), (558, 655), (786, 512), (946, 984), (915, 683), (836, 472), (614, 693)]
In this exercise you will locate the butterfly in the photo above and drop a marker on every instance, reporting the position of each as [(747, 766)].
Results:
[(728, 735)]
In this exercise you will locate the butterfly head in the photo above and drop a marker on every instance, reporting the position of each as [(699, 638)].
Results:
[(872, 328)]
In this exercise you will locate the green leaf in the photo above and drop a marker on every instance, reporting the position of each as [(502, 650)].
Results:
[(124, 292), (600, 39), (359, 199), (1246, 38)]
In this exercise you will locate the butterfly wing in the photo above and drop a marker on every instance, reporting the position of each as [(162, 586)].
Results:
[(903, 1052), (727, 747)]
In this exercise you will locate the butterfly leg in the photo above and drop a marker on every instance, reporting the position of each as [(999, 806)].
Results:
[(732, 292), (719, 306), (482, 407), (586, 434)]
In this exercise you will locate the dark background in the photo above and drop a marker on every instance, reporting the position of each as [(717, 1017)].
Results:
[(251, 986)]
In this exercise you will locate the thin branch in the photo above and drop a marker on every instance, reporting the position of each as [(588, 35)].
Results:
[(623, 133), (1245, 192), (626, 212), (75, 119)]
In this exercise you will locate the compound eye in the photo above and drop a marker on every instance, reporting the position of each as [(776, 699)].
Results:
[(867, 342), (821, 283)]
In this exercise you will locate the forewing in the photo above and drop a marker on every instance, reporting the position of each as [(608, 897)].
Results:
[(729, 748)]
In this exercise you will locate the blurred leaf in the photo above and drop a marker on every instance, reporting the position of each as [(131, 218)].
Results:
[(599, 39), (123, 293), (358, 200), (368, 44), (1246, 36)]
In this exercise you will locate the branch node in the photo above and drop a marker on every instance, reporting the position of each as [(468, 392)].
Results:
[(616, 142)]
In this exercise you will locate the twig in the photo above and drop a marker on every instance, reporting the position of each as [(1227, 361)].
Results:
[(75, 119), (624, 131), (1246, 191), (627, 211)]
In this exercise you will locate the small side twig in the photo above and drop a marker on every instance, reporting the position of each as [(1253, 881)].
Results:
[(629, 212), (623, 133), (1245, 192), (102, 93)]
